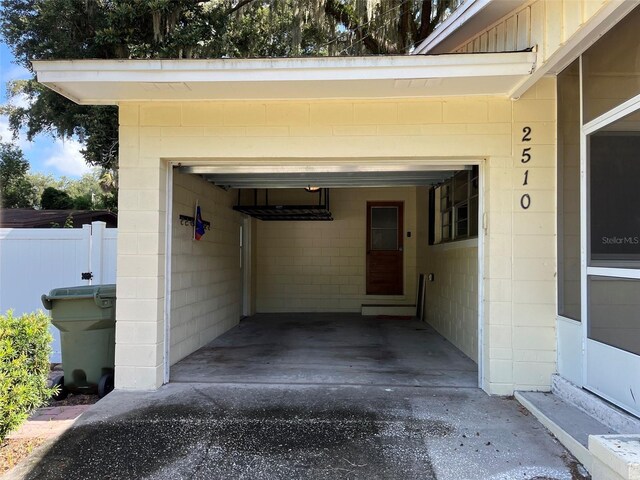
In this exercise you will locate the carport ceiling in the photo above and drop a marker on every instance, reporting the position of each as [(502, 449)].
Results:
[(325, 177)]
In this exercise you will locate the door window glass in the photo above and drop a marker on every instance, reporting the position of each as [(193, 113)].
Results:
[(384, 228)]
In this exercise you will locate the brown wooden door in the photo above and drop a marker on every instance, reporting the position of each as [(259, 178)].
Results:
[(385, 234)]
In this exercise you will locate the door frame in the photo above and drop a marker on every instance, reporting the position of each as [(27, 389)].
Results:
[(404, 163), (399, 204), (604, 353), (166, 361), (245, 258)]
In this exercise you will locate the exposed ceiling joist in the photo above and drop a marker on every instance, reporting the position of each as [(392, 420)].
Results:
[(328, 181), (336, 176)]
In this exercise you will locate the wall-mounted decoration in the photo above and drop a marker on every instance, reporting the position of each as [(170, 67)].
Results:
[(198, 228), (186, 220), (196, 222)]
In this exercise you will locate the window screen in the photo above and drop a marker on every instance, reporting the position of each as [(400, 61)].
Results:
[(569, 290), (384, 228)]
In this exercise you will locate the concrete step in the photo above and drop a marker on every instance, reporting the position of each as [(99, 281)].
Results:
[(390, 310), (567, 422), (601, 410), (602, 437)]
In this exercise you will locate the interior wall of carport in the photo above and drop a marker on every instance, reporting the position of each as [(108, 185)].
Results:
[(518, 341), (451, 298), (321, 266), (205, 274)]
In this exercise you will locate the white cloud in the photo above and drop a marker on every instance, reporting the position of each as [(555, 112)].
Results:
[(16, 72), (6, 135), (20, 100), (47, 154), (66, 159)]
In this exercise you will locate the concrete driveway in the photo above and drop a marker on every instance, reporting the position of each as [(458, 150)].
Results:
[(258, 429)]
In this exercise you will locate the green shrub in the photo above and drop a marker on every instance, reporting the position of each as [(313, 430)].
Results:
[(25, 346)]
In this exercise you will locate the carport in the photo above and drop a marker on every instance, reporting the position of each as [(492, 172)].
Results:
[(376, 133)]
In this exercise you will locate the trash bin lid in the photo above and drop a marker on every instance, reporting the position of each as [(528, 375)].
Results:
[(83, 291)]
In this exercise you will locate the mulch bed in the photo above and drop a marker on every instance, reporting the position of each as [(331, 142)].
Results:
[(74, 400), (14, 450), (56, 371)]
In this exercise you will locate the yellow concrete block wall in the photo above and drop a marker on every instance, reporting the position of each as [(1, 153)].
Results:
[(497, 289), (321, 266), (432, 131), (451, 305), (205, 274), (533, 277), (140, 263)]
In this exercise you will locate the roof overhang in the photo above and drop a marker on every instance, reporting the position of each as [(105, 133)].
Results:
[(471, 17), (110, 82)]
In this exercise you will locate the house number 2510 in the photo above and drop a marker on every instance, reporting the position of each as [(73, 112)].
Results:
[(525, 199)]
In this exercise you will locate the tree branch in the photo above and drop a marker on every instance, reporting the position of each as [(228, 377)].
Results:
[(238, 6), (441, 7), (339, 13), (425, 21), (404, 27)]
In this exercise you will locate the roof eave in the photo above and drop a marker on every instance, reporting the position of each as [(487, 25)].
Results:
[(96, 81)]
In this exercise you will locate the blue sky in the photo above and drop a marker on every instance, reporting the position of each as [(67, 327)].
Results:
[(45, 154)]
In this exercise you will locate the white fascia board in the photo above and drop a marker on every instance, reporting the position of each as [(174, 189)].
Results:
[(249, 70)]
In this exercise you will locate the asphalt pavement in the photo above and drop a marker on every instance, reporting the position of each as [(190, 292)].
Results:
[(218, 431)]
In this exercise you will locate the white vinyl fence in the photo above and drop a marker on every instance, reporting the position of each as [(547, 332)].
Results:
[(35, 260)]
